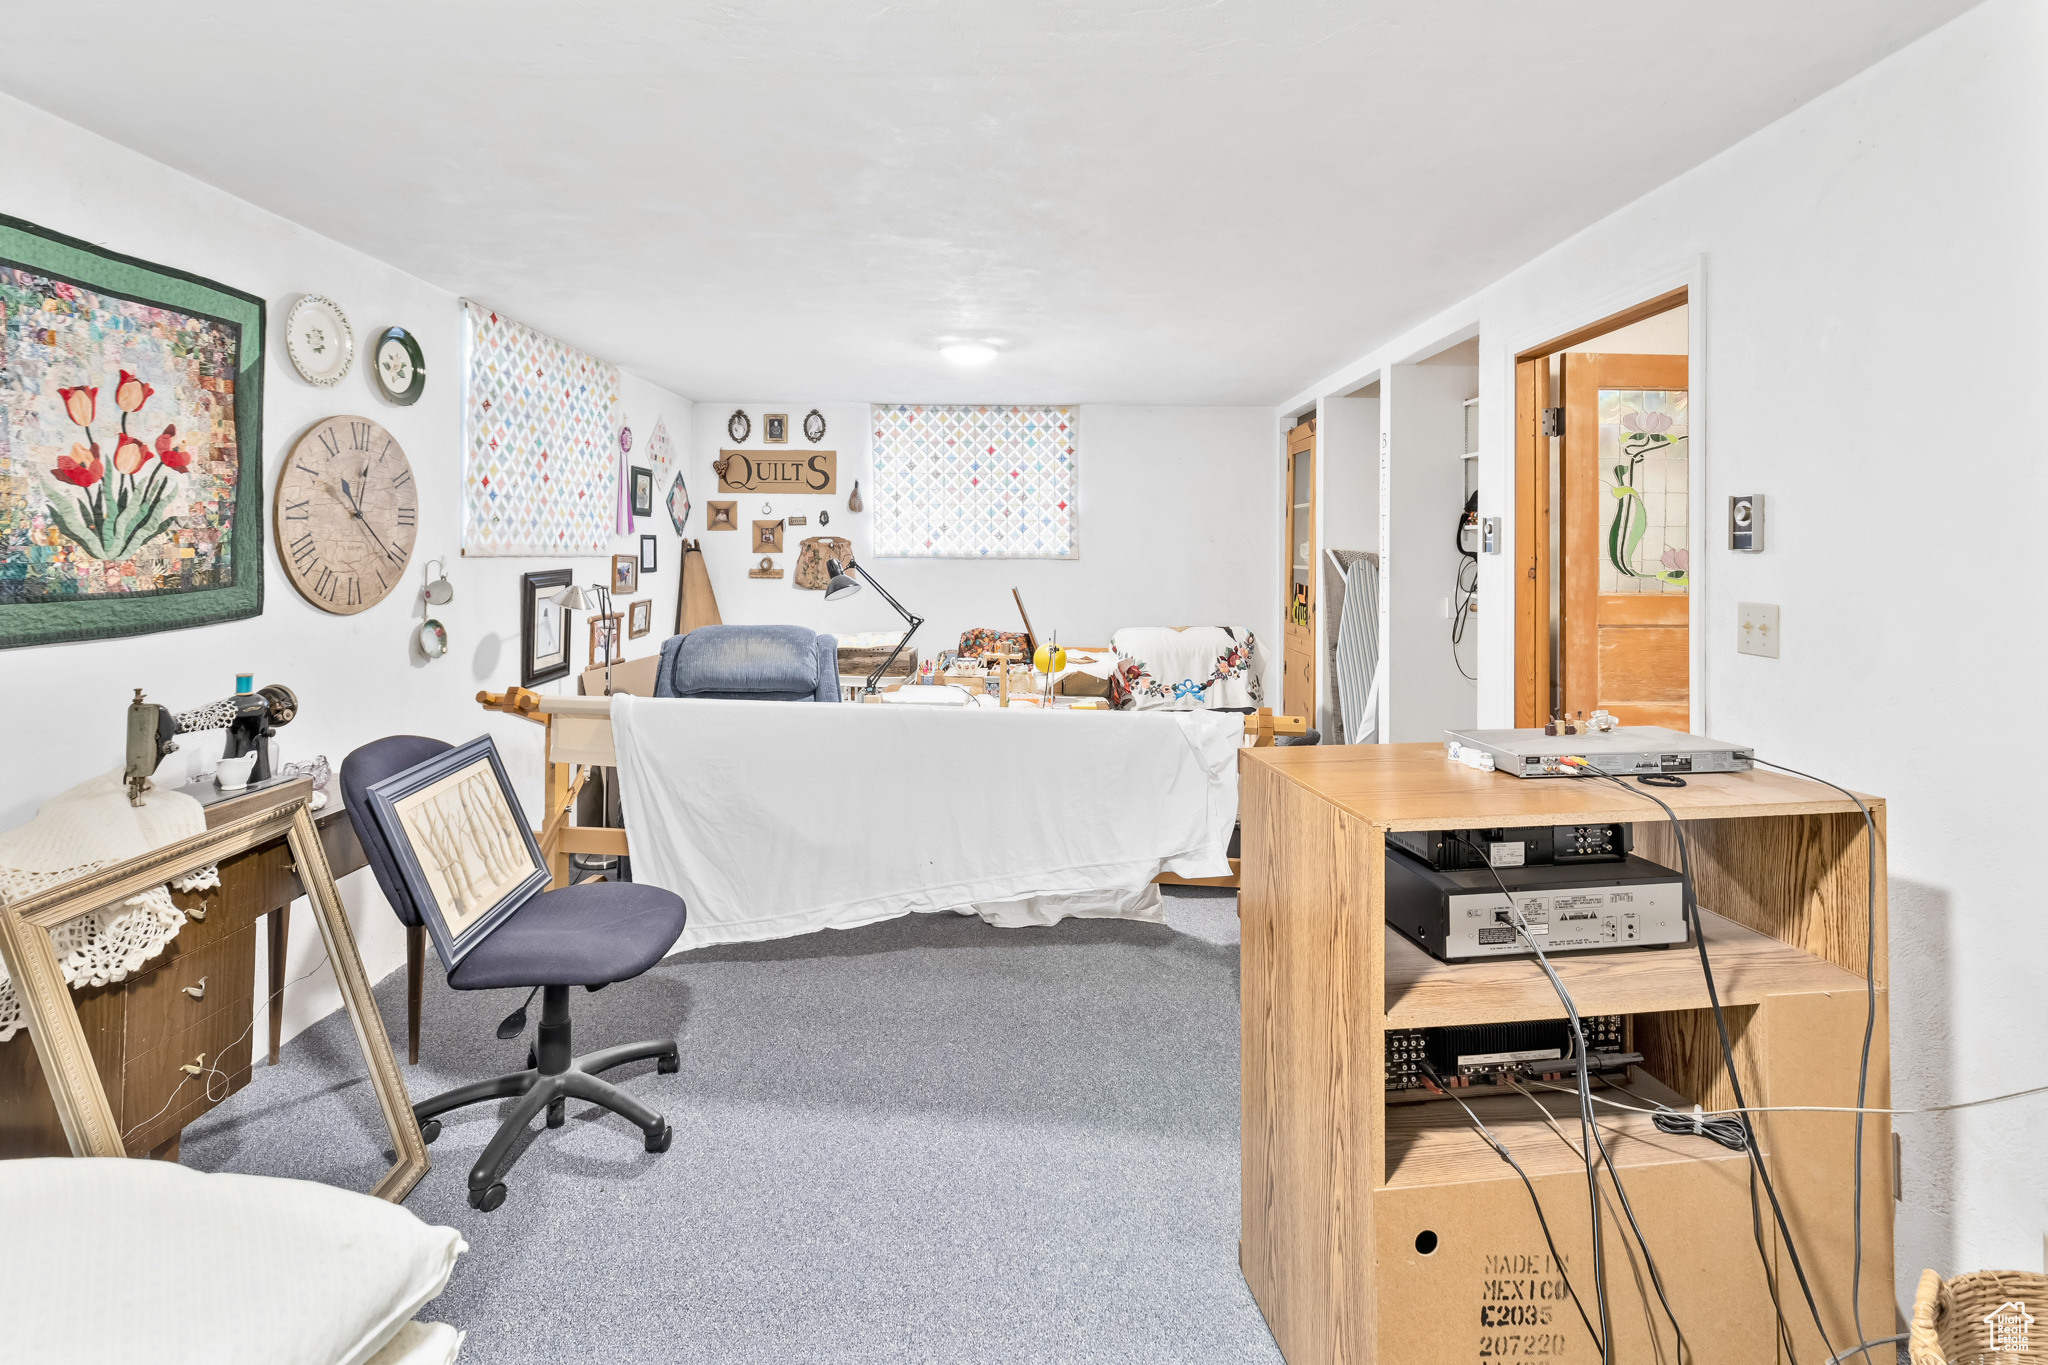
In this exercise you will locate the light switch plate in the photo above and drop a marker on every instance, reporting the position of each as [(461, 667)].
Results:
[(1757, 628)]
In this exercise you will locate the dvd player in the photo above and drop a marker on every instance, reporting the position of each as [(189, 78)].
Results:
[(1569, 907), (1624, 751)]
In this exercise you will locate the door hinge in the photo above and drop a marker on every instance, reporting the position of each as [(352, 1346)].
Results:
[(1553, 421)]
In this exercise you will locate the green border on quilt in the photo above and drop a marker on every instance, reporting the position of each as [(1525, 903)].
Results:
[(44, 623)]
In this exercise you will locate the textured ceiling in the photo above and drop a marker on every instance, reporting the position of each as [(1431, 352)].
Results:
[(1142, 202)]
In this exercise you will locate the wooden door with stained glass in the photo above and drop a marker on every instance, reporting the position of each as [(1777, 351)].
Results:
[(1298, 688), (1625, 557)]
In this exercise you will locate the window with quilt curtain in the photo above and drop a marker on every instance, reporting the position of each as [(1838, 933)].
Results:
[(975, 482)]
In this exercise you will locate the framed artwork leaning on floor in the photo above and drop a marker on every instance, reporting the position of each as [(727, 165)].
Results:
[(462, 844)]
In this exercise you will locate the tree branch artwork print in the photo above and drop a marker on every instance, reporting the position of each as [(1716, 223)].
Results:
[(130, 444)]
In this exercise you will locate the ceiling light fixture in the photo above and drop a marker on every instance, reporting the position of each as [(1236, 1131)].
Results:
[(968, 354)]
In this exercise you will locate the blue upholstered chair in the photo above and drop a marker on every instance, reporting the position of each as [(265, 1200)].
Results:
[(589, 935), (750, 663)]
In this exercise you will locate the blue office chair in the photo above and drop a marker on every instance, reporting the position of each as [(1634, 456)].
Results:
[(750, 663), (589, 935)]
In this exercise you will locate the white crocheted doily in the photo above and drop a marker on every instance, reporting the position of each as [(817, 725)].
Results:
[(85, 829)]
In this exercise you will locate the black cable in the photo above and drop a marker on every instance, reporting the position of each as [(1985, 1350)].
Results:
[(1690, 909), (1461, 611), (1732, 1133), (1507, 1156), (1588, 1124), (1585, 1101), (1869, 1028)]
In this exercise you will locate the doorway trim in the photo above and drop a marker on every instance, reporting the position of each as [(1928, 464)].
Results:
[(1647, 296)]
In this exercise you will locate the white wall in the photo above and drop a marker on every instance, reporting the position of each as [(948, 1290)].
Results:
[(1423, 415), (1168, 535), (1868, 280), (357, 677), (1347, 515)]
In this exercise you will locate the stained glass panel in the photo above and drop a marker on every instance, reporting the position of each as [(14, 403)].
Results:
[(1643, 484)]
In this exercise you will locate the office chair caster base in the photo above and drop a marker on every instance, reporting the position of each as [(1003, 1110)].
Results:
[(487, 1199), (659, 1142), (430, 1130), (558, 1113), (669, 1064)]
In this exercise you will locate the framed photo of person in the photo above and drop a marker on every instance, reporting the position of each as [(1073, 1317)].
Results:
[(643, 491), (625, 575), (650, 549), (543, 628), (639, 618), (462, 844), (775, 429), (604, 640)]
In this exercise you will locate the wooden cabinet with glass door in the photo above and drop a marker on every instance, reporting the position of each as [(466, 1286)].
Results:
[(1298, 611)]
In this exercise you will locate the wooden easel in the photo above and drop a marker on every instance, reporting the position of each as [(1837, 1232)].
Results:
[(578, 739)]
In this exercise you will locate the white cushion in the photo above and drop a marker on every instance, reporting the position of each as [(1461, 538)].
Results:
[(122, 1261), (420, 1343)]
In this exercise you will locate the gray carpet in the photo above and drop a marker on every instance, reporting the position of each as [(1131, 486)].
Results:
[(925, 1140)]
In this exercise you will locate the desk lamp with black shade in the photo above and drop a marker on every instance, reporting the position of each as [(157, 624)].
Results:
[(844, 585), (574, 599)]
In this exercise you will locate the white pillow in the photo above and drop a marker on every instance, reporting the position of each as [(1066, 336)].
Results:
[(420, 1343), (131, 1260)]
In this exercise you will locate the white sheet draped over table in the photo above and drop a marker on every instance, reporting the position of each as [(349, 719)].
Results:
[(772, 818)]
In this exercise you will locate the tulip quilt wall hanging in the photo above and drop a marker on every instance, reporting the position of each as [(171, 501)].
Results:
[(131, 444)]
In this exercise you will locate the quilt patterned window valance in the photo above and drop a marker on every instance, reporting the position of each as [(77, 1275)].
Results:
[(976, 482), (539, 466)]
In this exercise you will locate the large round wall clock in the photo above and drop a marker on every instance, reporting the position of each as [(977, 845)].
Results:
[(346, 514)]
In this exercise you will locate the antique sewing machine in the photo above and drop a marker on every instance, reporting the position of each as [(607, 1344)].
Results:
[(248, 717)]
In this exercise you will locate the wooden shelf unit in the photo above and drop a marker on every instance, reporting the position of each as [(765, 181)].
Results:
[(1340, 1184)]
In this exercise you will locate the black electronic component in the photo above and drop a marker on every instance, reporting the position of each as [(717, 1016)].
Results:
[(1451, 850), (1537, 1049)]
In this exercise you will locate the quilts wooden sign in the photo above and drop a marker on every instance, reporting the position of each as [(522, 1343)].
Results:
[(760, 471)]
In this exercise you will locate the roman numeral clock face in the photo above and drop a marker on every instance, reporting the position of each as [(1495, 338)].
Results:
[(346, 514)]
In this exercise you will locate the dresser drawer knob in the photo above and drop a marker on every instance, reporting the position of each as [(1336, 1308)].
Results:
[(194, 1068), (197, 992)]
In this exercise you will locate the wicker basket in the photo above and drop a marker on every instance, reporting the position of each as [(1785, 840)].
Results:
[(1988, 1317)]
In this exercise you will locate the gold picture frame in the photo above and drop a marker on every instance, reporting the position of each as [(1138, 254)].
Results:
[(53, 1026)]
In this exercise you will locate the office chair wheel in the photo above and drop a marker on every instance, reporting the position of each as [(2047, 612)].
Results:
[(430, 1130), (669, 1064), (532, 1058), (488, 1198), (658, 1142), (558, 1113)]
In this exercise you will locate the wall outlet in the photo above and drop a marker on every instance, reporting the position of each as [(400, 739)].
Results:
[(1757, 628)]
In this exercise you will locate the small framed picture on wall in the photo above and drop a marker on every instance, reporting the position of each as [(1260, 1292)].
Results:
[(643, 492), (639, 618), (625, 575), (543, 628), (650, 547), (604, 639), (775, 428)]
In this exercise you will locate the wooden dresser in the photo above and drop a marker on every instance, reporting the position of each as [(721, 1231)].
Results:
[(191, 1001), (1380, 1230)]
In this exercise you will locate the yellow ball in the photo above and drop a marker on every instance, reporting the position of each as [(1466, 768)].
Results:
[(1049, 659)]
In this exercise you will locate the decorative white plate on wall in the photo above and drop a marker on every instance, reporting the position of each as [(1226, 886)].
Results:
[(319, 341)]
